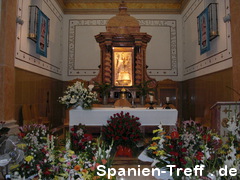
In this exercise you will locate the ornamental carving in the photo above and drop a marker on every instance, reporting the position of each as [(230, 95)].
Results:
[(123, 49)]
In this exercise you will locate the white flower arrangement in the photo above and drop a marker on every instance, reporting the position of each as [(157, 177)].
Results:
[(232, 159), (77, 94)]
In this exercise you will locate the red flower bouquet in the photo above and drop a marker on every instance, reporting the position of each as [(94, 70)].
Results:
[(80, 140), (123, 129)]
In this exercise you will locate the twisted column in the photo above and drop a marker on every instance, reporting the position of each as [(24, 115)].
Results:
[(138, 66), (107, 73)]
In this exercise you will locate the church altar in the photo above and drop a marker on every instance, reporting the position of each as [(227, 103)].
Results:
[(99, 116)]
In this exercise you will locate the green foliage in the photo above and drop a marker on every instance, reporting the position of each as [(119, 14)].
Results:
[(103, 88), (143, 88)]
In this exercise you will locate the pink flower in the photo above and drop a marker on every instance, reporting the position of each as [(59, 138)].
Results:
[(104, 161), (92, 168), (74, 156)]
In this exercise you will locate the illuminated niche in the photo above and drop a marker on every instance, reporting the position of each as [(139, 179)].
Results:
[(123, 66)]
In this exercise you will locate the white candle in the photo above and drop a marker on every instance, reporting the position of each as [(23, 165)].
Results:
[(151, 98), (167, 99)]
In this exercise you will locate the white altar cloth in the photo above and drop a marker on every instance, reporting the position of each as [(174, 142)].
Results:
[(99, 116)]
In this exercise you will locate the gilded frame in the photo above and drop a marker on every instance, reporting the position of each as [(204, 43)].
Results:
[(123, 65)]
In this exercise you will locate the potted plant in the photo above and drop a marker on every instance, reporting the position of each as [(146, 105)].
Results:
[(103, 90), (143, 89)]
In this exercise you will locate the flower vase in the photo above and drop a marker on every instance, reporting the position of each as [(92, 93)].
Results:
[(120, 151), (123, 151), (128, 151), (105, 100), (78, 105), (142, 100)]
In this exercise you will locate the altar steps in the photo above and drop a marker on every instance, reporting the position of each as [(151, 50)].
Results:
[(131, 162)]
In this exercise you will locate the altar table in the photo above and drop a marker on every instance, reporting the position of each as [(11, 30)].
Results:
[(99, 116)]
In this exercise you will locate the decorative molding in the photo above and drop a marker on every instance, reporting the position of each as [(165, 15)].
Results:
[(191, 9), (54, 10), (172, 24), (134, 6), (128, 1), (214, 59), (26, 57), (71, 45), (115, 11)]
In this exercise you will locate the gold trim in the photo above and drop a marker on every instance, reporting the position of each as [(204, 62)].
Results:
[(111, 7), (128, 1), (114, 11)]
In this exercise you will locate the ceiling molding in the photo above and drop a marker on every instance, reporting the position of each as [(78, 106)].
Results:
[(111, 6), (126, 1), (114, 11)]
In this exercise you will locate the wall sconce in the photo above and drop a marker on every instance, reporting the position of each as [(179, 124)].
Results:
[(213, 20), (227, 18), (19, 20), (33, 20)]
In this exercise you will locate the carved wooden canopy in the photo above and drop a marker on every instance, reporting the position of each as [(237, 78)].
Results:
[(122, 43)]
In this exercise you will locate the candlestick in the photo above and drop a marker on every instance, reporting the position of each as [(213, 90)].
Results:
[(151, 98), (151, 105), (167, 99)]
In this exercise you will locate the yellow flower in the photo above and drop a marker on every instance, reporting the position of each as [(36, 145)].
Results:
[(70, 152), (160, 153), (28, 158), (238, 156), (226, 146), (85, 175), (57, 177), (13, 166), (156, 138), (62, 175), (153, 147), (21, 146), (156, 130), (222, 152), (62, 159)]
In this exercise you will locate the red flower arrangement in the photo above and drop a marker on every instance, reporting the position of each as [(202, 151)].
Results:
[(123, 129), (80, 140)]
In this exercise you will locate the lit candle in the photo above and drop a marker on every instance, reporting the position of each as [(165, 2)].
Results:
[(167, 99), (151, 98)]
